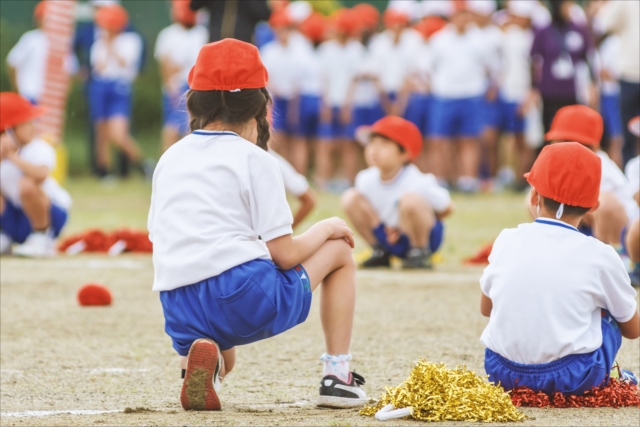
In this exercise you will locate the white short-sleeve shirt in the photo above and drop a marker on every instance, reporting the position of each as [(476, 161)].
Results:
[(38, 153), (385, 196), (216, 199), (181, 46), (614, 181), (294, 183), (548, 283), (632, 171), (128, 46), (282, 64), (393, 61), (339, 64), (515, 75), (29, 58)]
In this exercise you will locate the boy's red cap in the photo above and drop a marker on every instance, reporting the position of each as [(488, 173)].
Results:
[(181, 12), (314, 27), (368, 14), (430, 25), (280, 18), (93, 294), (15, 109), (345, 21), (394, 17), (576, 123), (400, 131), (39, 10), (568, 173), (112, 18), (228, 64)]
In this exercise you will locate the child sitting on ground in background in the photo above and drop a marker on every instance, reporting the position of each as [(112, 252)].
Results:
[(33, 207), (227, 268), (632, 241), (396, 208), (558, 302)]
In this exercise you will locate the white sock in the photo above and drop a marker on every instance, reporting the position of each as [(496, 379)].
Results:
[(337, 366)]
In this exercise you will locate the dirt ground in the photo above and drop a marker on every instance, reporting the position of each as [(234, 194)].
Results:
[(56, 356)]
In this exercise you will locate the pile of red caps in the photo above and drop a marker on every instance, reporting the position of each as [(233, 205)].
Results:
[(616, 394), (96, 240), (481, 257)]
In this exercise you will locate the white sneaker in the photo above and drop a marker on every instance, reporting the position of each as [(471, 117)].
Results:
[(37, 245), (5, 244)]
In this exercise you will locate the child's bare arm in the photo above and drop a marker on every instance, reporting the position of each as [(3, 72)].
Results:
[(486, 305), (38, 172), (307, 203), (631, 328), (287, 251)]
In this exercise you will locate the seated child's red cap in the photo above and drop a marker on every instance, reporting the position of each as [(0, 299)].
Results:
[(280, 18), (112, 18), (15, 109), (181, 12), (314, 27), (576, 123), (93, 294), (368, 14), (394, 17), (229, 64), (400, 131), (568, 173)]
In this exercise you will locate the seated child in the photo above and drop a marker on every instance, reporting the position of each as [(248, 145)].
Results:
[(632, 241), (228, 270), (296, 185), (617, 209), (558, 302), (396, 208), (33, 207)]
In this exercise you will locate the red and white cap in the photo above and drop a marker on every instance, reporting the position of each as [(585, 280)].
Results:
[(397, 129)]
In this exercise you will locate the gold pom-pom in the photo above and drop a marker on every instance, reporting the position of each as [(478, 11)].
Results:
[(439, 394)]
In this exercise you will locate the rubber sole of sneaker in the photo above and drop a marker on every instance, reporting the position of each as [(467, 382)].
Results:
[(203, 364), (339, 402)]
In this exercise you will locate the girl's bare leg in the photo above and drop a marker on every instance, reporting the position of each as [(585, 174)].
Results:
[(119, 132), (324, 148), (361, 214), (102, 145)]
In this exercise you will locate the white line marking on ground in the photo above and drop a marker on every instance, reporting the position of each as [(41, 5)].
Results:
[(282, 405), (50, 413)]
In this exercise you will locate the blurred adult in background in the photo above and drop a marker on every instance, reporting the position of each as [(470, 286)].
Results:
[(233, 18), (623, 19), (176, 51), (556, 53)]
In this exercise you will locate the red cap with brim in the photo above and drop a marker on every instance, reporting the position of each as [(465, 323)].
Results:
[(15, 109), (576, 123), (112, 18), (397, 129)]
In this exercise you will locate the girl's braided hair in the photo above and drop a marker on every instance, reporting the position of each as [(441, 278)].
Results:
[(231, 108)]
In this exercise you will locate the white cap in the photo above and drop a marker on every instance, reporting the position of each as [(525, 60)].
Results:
[(436, 8), (410, 7), (101, 3), (299, 10), (634, 126), (523, 8), (482, 7)]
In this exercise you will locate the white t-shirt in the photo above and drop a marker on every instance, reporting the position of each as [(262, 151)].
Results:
[(621, 17), (29, 58), (515, 80), (180, 46), (38, 153), (307, 63), (614, 181), (294, 183), (385, 196), (548, 283), (392, 61), (214, 194), (459, 64), (609, 53), (128, 46), (339, 64), (632, 171), (492, 36), (283, 66), (419, 68)]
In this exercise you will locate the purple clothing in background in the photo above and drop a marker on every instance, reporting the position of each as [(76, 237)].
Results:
[(556, 52)]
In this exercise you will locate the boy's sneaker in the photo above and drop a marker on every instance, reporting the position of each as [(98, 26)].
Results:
[(379, 258), (37, 245), (5, 244), (629, 376), (202, 377), (417, 258), (335, 393)]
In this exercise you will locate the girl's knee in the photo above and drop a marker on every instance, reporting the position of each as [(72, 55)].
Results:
[(28, 187), (342, 253)]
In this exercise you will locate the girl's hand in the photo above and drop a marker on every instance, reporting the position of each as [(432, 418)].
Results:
[(6, 145), (338, 229)]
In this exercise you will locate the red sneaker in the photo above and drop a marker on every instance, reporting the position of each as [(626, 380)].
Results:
[(201, 377)]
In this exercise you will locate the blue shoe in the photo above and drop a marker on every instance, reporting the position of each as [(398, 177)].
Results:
[(628, 376)]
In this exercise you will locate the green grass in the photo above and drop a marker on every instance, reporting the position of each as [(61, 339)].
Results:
[(477, 219)]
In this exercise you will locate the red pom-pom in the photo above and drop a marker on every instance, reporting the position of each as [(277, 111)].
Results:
[(482, 256), (93, 294), (616, 394)]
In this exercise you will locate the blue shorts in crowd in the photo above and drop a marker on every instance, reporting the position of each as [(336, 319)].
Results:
[(364, 116), (308, 116), (109, 99), (174, 110), (452, 118), (610, 110), (15, 223), (491, 113), (247, 303), (334, 128), (402, 245), (510, 120), (418, 111), (573, 374)]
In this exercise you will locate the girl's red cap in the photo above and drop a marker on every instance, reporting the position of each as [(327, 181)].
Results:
[(576, 123), (181, 12), (394, 17), (228, 64), (112, 18), (430, 25), (368, 14), (400, 131), (568, 173), (280, 18), (314, 27), (345, 21), (15, 109), (93, 294)]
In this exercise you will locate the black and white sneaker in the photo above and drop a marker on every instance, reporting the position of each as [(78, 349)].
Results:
[(379, 258), (335, 393), (417, 258)]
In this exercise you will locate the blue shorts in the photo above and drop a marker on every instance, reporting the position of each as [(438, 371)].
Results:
[(364, 116), (281, 115), (456, 117), (309, 116), (174, 111), (15, 224), (417, 111), (610, 110), (334, 128), (247, 303), (402, 246), (510, 121), (490, 113), (109, 99), (573, 374)]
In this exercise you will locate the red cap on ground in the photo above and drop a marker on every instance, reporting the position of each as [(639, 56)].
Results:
[(568, 173), (576, 123), (430, 25), (229, 64), (93, 294), (394, 17), (401, 131), (280, 18), (112, 18), (181, 12), (314, 27), (15, 109), (368, 15)]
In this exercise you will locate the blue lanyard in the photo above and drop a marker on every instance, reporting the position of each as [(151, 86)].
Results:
[(557, 224), (213, 133)]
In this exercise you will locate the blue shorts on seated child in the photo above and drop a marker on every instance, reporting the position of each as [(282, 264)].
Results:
[(402, 245), (15, 223), (573, 374), (247, 303)]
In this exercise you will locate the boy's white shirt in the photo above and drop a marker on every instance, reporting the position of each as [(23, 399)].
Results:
[(29, 58), (213, 196), (609, 59), (38, 153), (632, 171), (294, 183), (393, 61), (339, 64), (128, 47), (308, 76), (614, 181), (385, 196), (181, 46), (548, 285), (515, 77), (282, 64), (492, 43)]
